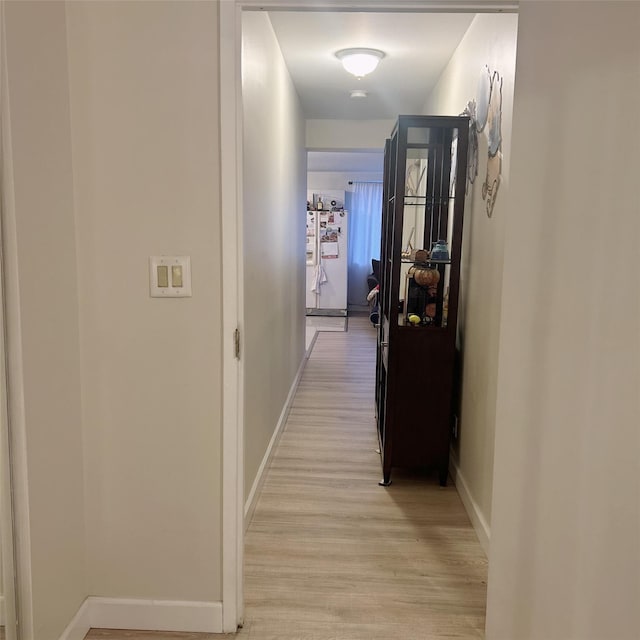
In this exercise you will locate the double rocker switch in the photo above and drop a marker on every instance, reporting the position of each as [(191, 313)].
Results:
[(170, 276), (163, 275)]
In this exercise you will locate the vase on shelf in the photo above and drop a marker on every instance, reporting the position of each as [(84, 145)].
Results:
[(440, 250)]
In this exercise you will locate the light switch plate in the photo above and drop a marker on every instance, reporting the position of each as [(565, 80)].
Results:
[(168, 262)]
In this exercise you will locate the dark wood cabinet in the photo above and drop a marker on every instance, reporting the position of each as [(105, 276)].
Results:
[(423, 208)]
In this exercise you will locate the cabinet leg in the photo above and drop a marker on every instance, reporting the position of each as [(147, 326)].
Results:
[(386, 478), (443, 474)]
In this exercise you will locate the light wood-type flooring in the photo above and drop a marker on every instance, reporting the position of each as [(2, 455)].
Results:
[(329, 554)]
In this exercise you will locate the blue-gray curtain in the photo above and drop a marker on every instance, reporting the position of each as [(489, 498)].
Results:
[(365, 224)]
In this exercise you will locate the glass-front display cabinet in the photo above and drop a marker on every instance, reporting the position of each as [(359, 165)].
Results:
[(423, 208)]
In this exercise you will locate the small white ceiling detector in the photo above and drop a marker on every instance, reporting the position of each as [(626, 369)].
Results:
[(360, 62), (358, 93)]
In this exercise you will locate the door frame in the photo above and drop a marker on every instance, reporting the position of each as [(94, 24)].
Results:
[(231, 185), (14, 517)]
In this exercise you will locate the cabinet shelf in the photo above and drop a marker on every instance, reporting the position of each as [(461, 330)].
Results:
[(426, 155), (421, 327), (424, 264)]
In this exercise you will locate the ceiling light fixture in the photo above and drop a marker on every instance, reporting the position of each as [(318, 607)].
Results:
[(359, 62), (358, 93)]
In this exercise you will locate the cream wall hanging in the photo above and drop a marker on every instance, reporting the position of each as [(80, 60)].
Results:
[(486, 115)]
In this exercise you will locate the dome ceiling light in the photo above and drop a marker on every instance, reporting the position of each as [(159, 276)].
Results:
[(358, 93), (359, 62)]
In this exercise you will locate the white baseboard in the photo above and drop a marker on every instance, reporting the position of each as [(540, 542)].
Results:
[(252, 498), (146, 615), (312, 342), (78, 628), (478, 521)]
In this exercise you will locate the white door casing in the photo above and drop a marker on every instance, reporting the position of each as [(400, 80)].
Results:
[(14, 513)]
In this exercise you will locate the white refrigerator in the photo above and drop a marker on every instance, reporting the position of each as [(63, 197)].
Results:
[(327, 256)]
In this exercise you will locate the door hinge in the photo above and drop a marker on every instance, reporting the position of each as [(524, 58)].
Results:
[(236, 344)]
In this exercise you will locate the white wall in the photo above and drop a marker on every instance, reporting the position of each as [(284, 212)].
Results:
[(43, 320), (565, 548), (490, 40), (319, 181), (274, 236), (144, 113), (347, 134)]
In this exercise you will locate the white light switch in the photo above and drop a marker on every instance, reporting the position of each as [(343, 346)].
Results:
[(162, 271), (176, 286), (176, 275)]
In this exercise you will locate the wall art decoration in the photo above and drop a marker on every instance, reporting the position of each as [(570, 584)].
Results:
[(493, 132), (483, 97), (486, 116), (472, 153)]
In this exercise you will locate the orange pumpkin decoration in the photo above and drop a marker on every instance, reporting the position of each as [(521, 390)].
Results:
[(426, 277)]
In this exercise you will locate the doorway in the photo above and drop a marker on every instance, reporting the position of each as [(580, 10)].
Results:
[(235, 311), (352, 174)]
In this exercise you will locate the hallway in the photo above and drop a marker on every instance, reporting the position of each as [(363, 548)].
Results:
[(332, 555)]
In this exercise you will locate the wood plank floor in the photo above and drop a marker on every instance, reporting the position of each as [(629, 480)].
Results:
[(330, 555)]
